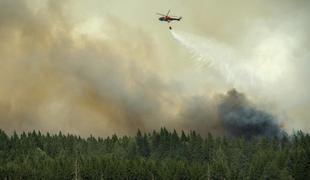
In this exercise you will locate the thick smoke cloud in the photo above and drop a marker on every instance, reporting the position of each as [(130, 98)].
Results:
[(55, 78), (63, 72), (241, 118), (231, 114)]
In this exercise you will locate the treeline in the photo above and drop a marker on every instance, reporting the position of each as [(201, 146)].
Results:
[(156, 155)]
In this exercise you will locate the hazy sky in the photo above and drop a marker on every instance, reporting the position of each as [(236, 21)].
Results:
[(109, 66)]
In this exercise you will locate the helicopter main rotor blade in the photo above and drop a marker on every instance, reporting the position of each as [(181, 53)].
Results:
[(168, 12)]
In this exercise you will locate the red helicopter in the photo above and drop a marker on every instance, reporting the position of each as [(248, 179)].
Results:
[(168, 18)]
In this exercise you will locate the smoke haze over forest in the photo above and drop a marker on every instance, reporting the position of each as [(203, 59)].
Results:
[(105, 67)]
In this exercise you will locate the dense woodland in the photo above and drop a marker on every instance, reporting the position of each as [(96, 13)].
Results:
[(156, 155)]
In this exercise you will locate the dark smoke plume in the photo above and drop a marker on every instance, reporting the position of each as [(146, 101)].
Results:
[(240, 118)]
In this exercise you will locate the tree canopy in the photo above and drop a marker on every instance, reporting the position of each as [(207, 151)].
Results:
[(157, 155)]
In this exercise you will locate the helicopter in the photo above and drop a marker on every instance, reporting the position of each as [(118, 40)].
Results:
[(168, 18)]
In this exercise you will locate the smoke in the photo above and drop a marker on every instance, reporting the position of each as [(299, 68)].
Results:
[(109, 74), (56, 78), (232, 114), (240, 118)]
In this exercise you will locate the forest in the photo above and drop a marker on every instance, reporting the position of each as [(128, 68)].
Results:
[(161, 154)]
